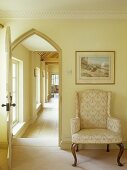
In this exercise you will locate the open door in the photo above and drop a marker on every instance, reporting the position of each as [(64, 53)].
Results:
[(9, 104)]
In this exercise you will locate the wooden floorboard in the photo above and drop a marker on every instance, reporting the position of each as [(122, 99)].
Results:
[(46, 125)]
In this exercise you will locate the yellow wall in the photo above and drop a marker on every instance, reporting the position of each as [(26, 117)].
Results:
[(21, 53), (34, 62), (30, 62), (43, 75), (72, 35), (53, 69)]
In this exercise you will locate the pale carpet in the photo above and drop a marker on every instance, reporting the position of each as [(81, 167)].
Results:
[(35, 142), (53, 158), (3, 159)]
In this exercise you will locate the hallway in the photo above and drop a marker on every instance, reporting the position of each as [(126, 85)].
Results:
[(46, 126)]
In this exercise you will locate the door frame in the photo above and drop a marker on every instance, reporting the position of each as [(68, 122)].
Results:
[(24, 36)]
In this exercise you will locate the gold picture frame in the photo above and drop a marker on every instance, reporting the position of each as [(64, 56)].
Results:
[(95, 67)]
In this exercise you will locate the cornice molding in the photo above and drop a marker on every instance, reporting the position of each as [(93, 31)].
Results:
[(41, 14)]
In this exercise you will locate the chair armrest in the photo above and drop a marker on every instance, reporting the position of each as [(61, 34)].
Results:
[(114, 124), (75, 125)]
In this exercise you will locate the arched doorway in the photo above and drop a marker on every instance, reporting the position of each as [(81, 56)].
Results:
[(35, 32)]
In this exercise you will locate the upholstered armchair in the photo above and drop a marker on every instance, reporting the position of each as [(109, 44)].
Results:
[(93, 123)]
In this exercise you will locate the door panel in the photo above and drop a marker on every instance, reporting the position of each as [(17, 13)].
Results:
[(8, 94)]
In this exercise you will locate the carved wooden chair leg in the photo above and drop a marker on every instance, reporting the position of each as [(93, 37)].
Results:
[(73, 149), (77, 149), (121, 146), (108, 148)]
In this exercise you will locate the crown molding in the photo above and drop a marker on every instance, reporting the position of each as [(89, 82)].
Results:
[(65, 14)]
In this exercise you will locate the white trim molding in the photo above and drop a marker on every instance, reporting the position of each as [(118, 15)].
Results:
[(63, 14)]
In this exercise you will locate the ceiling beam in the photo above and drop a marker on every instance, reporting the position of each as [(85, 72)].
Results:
[(1, 26), (51, 62)]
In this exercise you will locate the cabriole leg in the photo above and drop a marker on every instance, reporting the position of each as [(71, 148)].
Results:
[(77, 149), (73, 149), (107, 147), (121, 146)]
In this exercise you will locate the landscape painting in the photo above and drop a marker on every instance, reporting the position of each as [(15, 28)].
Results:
[(95, 67)]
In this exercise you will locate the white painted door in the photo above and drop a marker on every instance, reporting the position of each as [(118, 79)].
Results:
[(9, 104)]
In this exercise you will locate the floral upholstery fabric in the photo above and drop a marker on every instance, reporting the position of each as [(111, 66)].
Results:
[(114, 124), (93, 108), (75, 125), (94, 123), (96, 136)]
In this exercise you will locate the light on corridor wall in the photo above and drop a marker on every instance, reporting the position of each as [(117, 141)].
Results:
[(35, 72), (69, 72)]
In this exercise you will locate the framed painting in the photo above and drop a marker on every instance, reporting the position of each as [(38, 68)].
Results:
[(95, 67)]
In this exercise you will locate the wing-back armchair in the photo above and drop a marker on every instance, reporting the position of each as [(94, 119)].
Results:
[(93, 123)]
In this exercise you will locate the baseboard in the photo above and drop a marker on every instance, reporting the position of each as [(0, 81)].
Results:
[(24, 128), (32, 120), (38, 109), (36, 113), (125, 144), (66, 145), (3, 145), (21, 131)]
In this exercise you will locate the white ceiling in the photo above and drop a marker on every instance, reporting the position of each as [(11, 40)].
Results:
[(60, 9), (63, 4), (36, 43), (57, 8)]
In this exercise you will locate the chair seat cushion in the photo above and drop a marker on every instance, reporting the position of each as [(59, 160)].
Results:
[(96, 136)]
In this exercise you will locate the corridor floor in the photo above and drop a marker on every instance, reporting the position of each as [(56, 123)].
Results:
[(45, 127)]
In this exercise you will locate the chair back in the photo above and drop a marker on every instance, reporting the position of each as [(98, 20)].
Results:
[(94, 108)]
